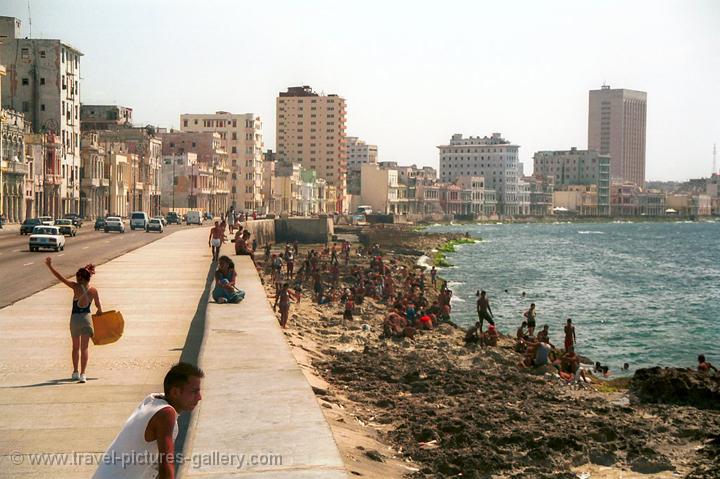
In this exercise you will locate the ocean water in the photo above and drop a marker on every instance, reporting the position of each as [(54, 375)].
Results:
[(643, 293)]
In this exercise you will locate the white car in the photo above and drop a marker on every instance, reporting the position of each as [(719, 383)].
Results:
[(47, 237), (114, 223), (154, 225), (47, 220)]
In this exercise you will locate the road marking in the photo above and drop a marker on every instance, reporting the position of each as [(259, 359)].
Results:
[(85, 247), (61, 254), (16, 251), (28, 264)]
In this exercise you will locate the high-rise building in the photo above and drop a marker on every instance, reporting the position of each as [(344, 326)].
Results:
[(241, 137), (43, 82), (616, 127), (104, 117), (358, 153), (311, 131), (493, 158)]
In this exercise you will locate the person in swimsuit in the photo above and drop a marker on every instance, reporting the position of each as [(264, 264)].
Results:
[(569, 336), (217, 234), (283, 299), (81, 327), (704, 366), (484, 311), (530, 317)]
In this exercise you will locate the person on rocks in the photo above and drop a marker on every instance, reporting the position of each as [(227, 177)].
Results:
[(268, 252), (484, 311), (289, 258), (348, 312), (81, 326), (472, 335), (530, 317), (544, 335), (542, 354), (489, 337), (151, 429), (283, 300), (704, 366), (276, 264), (569, 336), (433, 276), (570, 368)]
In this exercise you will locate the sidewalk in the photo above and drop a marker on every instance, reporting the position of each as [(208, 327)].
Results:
[(158, 289), (12, 228)]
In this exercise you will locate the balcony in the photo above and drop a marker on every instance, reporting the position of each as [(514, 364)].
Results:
[(15, 168), (90, 182), (51, 179), (139, 185), (105, 182)]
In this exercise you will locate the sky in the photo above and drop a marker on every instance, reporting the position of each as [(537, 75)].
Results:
[(412, 73)]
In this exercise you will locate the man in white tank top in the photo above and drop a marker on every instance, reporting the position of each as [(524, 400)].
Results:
[(145, 447)]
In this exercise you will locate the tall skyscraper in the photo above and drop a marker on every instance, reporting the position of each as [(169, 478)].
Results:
[(616, 127), (311, 131)]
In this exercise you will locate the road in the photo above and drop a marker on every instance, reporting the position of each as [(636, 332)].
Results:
[(23, 273)]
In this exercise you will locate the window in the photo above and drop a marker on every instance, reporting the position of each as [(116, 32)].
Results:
[(25, 81), (194, 144), (42, 107), (63, 55), (42, 81), (42, 53), (25, 53), (25, 107), (234, 135), (234, 149)]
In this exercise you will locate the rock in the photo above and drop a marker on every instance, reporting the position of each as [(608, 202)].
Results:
[(602, 458), (676, 386), (375, 456), (319, 391)]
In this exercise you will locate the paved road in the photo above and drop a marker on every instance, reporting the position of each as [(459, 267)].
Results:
[(23, 273)]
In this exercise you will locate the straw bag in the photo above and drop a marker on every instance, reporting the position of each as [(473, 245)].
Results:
[(108, 327)]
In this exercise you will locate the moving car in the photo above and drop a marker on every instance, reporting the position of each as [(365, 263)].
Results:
[(138, 219), (76, 219), (193, 218), (114, 223), (99, 223), (29, 225), (46, 220), (173, 218), (162, 220), (47, 237), (66, 226), (154, 225)]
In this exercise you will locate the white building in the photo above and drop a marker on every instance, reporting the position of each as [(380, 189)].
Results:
[(380, 188), (43, 82), (493, 158)]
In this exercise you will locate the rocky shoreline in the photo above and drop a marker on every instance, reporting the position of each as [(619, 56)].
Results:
[(433, 407)]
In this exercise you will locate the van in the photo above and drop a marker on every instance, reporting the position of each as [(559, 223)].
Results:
[(364, 210), (138, 220), (193, 218)]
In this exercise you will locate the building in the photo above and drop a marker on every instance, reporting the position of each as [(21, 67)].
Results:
[(269, 197), (311, 131), (358, 153), (379, 188), (493, 158), (690, 205), (241, 137), (577, 167), (43, 83), (15, 171), (578, 199), (473, 194), (286, 188), (43, 151), (213, 182), (713, 191), (541, 190), (94, 177), (104, 117), (616, 127), (180, 183)]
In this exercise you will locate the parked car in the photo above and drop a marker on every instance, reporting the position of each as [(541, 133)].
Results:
[(161, 218), (114, 223), (138, 219), (154, 225), (99, 223), (47, 237), (193, 218), (173, 218), (76, 219), (46, 220), (66, 226), (28, 225)]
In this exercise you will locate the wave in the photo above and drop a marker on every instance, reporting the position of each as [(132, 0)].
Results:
[(457, 299), (423, 261), (591, 232), (455, 283)]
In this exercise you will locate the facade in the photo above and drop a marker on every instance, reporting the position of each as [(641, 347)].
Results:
[(379, 188), (578, 199), (16, 173), (286, 185), (212, 168), (43, 83), (541, 190), (616, 127), (104, 117), (43, 151), (577, 167), (358, 153), (473, 194), (267, 190), (241, 137), (311, 131), (493, 158), (180, 183), (690, 205), (118, 172), (94, 177)]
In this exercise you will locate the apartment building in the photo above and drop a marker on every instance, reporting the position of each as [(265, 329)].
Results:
[(616, 127), (16, 194), (43, 83), (94, 177), (311, 130), (241, 137), (577, 167), (493, 158), (104, 117)]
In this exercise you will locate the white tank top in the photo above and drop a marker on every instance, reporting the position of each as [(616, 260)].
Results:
[(127, 456)]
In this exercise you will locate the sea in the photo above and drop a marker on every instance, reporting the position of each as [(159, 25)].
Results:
[(646, 294)]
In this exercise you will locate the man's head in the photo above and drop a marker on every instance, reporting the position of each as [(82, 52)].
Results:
[(217, 223), (532, 305), (523, 324), (182, 386), (482, 293), (546, 328), (701, 358), (569, 321)]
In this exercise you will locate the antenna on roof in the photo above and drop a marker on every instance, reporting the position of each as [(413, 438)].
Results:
[(29, 20)]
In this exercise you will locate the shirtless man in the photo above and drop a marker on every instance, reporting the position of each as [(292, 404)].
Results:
[(283, 299), (570, 336), (544, 335), (483, 309), (217, 234), (150, 432), (704, 366)]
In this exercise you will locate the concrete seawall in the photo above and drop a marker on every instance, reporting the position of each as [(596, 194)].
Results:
[(280, 230)]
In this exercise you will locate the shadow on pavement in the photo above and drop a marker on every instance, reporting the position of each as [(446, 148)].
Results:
[(191, 351)]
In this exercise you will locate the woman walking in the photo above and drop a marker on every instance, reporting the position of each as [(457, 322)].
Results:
[(81, 328)]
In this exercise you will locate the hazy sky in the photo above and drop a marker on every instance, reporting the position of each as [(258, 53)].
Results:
[(413, 73)]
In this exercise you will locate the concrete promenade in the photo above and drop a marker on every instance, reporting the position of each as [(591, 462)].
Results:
[(162, 290)]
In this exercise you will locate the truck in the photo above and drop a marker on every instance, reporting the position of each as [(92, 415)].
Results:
[(193, 218)]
